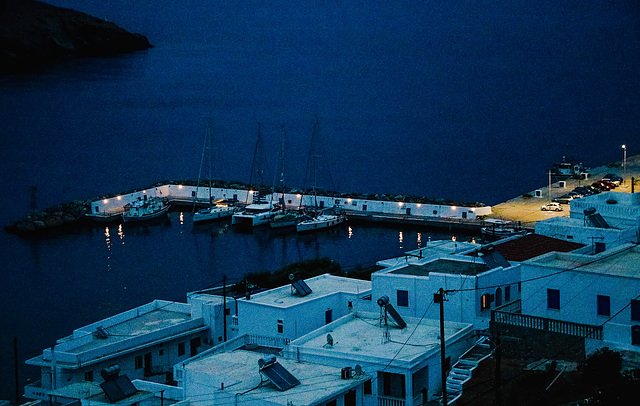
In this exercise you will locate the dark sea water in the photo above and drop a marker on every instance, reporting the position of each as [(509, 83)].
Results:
[(462, 100)]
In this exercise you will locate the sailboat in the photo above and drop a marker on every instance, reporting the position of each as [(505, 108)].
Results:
[(214, 211), (260, 212), (285, 218), (326, 218)]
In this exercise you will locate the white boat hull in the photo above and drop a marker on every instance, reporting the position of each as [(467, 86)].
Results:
[(144, 214), (212, 214), (321, 222)]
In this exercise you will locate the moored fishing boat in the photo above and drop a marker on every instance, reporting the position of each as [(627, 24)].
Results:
[(212, 213), (497, 228), (143, 210), (326, 219)]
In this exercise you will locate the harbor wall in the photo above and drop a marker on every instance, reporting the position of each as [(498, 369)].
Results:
[(193, 194)]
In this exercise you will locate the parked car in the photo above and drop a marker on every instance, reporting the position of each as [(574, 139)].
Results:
[(612, 177), (608, 183), (553, 206), (575, 195), (565, 199), (601, 186)]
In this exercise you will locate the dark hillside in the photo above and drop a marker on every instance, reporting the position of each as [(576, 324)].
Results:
[(34, 33)]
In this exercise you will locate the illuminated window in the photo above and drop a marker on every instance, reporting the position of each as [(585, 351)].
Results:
[(485, 302)]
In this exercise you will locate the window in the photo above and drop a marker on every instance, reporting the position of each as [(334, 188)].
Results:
[(507, 293), (364, 207), (354, 203), (337, 202), (280, 326), (138, 362), (88, 376), (403, 298), (193, 193), (350, 398), (464, 214), (161, 352), (194, 344), (435, 212), (333, 403), (180, 349), (635, 310), (227, 311), (553, 299), (485, 302), (289, 201), (408, 211), (367, 387), (635, 335), (604, 306)]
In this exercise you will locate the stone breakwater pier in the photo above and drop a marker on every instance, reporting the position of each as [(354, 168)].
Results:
[(376, 208)]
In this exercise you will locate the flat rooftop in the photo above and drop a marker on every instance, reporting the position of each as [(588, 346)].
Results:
[(533, 245), (443, 266), (361, 336), (144, 324), (621, 261), (239, 372), (322, 285)]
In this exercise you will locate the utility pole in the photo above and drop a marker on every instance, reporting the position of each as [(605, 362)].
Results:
[(498, 375), (224, 305), (439, 298), (15, 357)]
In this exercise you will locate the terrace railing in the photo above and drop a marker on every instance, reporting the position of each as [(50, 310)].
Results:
[(543, 323)]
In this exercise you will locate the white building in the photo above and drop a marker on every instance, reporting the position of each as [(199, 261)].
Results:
[(600, 290), (620, 213), (231, 375), (475, 287), (144, 342), (404, 364), (282, 314)]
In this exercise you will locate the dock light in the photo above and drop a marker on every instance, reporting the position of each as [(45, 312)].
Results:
[(105, 201), (419, 204), (251, 192), (179, 186), (473, 209), (298, 195), (349, 200), (119, 198), (454, 239), (400, 204), (144, 192), (453, 207)]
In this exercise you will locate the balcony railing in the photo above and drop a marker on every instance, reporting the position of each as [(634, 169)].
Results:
[(542, 323), (385, 401)]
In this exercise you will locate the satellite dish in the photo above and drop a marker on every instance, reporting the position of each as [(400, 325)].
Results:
[(329, 340), (358, 370), (291, 277)]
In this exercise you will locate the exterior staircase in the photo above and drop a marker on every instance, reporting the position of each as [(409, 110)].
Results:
[(462, 370)]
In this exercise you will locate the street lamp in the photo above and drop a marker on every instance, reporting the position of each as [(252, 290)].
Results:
[(624, 162)]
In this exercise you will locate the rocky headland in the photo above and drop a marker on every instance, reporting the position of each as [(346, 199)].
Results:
[(33, 34)]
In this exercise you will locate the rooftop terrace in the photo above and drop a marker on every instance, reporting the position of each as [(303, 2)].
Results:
[(443, 266), (320, 286)]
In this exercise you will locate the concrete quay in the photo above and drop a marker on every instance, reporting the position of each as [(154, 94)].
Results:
[(526, 210)]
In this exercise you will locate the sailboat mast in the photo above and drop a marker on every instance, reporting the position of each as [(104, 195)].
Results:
[(210, 163), (204, 148)]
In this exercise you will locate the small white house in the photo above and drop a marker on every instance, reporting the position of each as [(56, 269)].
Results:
[(144, 342), (288, 312), (403, 363), (601, 290), (229, 375)]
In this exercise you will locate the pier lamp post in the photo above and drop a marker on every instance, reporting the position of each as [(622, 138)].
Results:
[(624, 162)]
